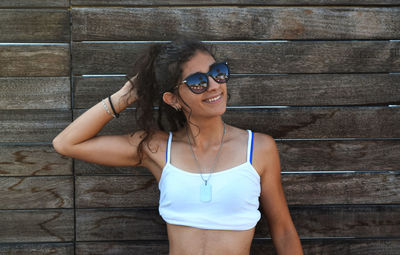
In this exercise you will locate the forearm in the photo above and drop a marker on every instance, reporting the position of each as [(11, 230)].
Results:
[(288, 244), (93, 120)]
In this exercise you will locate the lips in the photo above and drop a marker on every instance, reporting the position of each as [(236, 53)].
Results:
[(213, 99)]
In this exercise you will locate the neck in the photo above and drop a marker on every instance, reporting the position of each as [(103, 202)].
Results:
[(206, 133)]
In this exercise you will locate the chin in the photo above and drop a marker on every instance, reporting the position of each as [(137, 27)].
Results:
[(219, 111)]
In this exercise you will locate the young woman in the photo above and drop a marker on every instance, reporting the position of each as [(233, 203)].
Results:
[(211, 175)]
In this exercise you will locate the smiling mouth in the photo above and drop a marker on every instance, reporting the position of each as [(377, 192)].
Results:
[(213, 99)]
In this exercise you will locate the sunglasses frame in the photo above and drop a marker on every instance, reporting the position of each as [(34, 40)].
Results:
[(207, 75)]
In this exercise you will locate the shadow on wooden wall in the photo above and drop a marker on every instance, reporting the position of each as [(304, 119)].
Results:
[(322, 77)]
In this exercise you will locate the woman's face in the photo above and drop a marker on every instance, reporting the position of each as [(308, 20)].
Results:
[(212, 102)]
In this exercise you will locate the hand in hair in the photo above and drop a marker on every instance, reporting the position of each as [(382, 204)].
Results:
[(129, 91)]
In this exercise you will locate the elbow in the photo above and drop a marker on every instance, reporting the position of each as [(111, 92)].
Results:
[(59, 146)]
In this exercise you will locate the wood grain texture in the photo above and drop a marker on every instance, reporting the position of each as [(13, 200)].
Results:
[(36, 192), (315, 122), (86, 54), (34, 3), (342, 221), (34, 60), (143, 248), (127, 224), (311, 247), (293, 89), (23, 160), (116, 191), (311, 222), (300, 189), (287, 23), (360, 188), (301, 155), (37, 249), (255, 57), (231, 2), (34, 25), (297, 122), (86, 168), (37, 226), (126, 247), (90, 90), (334, 247), (32, 125), (35, 93)]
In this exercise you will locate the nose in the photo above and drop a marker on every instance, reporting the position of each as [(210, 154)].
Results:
[(212, 85)]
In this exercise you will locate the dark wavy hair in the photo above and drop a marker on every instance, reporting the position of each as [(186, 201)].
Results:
[(159, 70)]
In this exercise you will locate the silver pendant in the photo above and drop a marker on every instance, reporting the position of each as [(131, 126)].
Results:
[(205, 192)]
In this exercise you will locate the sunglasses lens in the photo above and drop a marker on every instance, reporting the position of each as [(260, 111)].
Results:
[(220, 72), (197, 83)]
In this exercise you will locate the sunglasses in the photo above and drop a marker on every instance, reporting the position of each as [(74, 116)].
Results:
[(198, 82)]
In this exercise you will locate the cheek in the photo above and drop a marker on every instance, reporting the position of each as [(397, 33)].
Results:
[(186, 99)]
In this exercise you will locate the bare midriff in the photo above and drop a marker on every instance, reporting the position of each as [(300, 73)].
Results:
[(185, 240)]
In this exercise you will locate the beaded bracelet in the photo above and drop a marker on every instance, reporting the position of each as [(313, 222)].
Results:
[(106, 108), (112, 107)]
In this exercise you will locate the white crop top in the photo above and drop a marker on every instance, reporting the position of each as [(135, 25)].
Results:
[(235, 194)]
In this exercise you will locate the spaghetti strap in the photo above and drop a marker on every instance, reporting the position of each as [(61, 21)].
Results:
[(168, 152), (250, 147)]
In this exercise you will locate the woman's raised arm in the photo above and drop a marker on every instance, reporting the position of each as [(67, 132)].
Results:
[(79, 140)]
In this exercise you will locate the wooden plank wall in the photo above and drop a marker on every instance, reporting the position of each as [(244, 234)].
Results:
[(322, 77)]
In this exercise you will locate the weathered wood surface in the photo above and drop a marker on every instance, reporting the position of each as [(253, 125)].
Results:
[(90, 90), (85, 55), (37, 249), (342, 221), (227, 23), (255, 57), (36, 192), (297, 122), (313, 221), (35, 93), (34, 25), (116, 191), (116, 224), (360, 188), (334, 247), (86, 168), (32, 125), (34, 60), (302, 155), (300, 189), (259, 247), (23, 160), (293, 89), (34, 3), (231, 2), (143, 248), (353, 122), (55, 225)]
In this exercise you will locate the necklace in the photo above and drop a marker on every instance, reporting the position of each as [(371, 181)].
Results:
[(206, 188)]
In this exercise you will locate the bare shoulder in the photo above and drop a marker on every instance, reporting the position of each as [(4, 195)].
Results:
[(153, 149), (266, 155), (264, 142), (135, 138)]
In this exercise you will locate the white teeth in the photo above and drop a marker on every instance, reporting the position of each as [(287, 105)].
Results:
[(214, 98)]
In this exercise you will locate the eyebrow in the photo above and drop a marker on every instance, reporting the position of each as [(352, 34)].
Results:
[(200, 72)]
